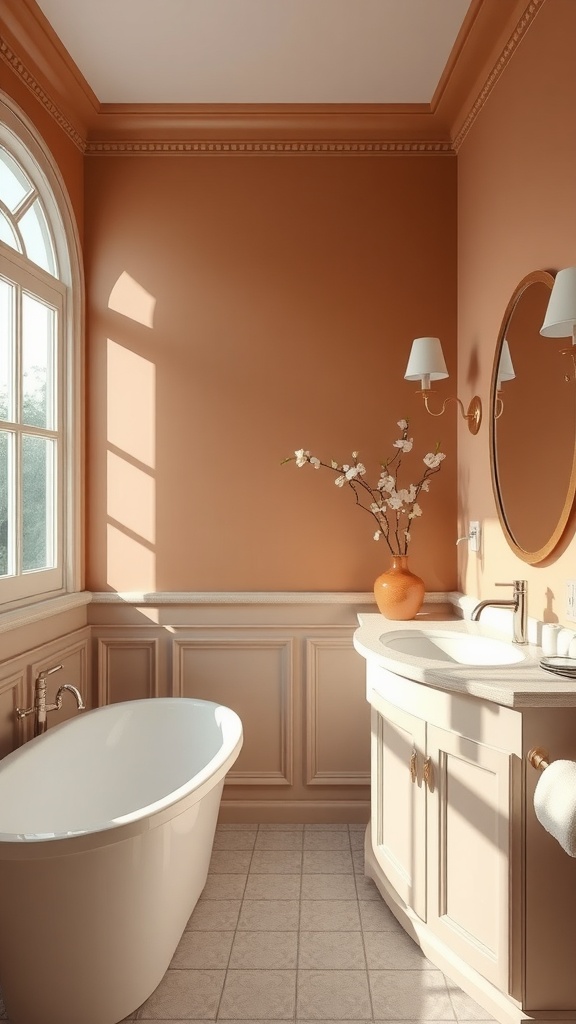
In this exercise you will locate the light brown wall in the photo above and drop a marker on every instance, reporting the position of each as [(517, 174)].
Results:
[(516, 213), (283, 296)]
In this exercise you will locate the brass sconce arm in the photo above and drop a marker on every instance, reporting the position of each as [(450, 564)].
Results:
[(473, 415)]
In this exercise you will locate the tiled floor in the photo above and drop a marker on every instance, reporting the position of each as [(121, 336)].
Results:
[(288, 928)]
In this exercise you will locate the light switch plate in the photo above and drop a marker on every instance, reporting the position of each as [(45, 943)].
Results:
[(571, 600), (474, 536)]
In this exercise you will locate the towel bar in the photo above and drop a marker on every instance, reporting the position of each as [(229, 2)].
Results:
[(538, 758)]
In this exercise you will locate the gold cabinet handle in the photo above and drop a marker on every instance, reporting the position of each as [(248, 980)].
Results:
[(428, 772), (413, 767)]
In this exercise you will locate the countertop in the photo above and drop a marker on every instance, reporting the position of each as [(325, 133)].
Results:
[(520, 685)]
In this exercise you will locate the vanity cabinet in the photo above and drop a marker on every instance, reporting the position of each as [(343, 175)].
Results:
[(440, 830)]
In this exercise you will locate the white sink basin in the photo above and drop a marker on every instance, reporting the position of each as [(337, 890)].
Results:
[(453, 647)]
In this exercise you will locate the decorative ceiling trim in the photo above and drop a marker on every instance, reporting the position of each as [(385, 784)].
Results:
[(256, 148), (526, 20), (19, 68)]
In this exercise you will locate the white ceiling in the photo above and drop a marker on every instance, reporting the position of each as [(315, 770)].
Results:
[(259, 51)]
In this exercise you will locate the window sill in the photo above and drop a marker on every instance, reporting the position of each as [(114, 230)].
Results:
[(38, 610)]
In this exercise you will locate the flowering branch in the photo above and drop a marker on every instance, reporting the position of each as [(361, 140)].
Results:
[(393, 507)]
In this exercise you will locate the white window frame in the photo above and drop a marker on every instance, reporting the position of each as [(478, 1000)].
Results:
[(20, 138)]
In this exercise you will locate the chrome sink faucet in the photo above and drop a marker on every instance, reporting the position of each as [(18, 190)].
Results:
[(519, 605), (40, 708)]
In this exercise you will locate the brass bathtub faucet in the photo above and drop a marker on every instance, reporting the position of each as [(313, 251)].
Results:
[(40, 708)]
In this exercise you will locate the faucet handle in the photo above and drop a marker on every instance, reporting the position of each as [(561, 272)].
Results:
[(519, 585)]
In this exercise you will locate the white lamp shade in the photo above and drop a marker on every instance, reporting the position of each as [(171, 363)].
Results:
[(505, 367), (561, 313), (426, 360)]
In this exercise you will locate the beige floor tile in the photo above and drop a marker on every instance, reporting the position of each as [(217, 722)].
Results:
[(412, 995), (320, 827), (235, 839), (214, 916), (328, 887), (185, 994), (375, 916), (320, 840), (358, 861), (230, 862), (333, 995), (327, 862), (262, 995), (329, 916), (276, 862), (465, 1007), (273, 887), (331, 951), (203, 950), (264, 950), (279, 840), (224, 887), (358, 826), (269, 916), (394, 951), (357, 840), (366, 888)]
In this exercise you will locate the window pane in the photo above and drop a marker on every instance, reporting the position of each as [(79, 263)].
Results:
[(6, 349), (34, 230), (6, 504), (14, 184), (38, 500), (38, 322), (7, 233)]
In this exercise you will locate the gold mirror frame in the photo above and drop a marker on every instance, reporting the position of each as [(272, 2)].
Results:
[(497, 404)]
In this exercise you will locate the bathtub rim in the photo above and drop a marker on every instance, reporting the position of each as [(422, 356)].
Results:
[(140, 821)]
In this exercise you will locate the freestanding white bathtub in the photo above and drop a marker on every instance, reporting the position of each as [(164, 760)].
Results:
[(106, 830)]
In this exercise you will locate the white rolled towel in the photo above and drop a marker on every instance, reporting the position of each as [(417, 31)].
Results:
[(555, 803)]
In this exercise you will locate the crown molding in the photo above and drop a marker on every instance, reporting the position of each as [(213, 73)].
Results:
[(258, 148), (486, 42), (527, 14)]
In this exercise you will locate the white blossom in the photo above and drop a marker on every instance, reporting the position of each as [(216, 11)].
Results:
[(403, 424), (354, 455), (315, 462), (301, 457), (404, 444), (394, 502), (425, 485), (352, 472), (386, 483), (377, 535), (407, 535), (361, 468), (433, 460), (340, 481), (334, 464)]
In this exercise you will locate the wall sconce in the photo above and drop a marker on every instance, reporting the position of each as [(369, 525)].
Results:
[(560, 318), (505, 372), (426, 363)]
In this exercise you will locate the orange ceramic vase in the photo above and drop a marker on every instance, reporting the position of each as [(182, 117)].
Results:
[(399, 593)]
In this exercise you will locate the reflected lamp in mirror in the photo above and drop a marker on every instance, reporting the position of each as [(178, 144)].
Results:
[(426, 363), (505, 372), (560, 318)]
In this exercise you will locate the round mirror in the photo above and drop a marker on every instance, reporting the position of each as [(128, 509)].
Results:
[(532, 424)]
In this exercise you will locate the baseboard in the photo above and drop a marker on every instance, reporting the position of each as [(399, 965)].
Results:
[(294, 812)]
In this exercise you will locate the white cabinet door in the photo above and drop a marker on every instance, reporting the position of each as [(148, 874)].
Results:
[(469, 851), (398, 804)]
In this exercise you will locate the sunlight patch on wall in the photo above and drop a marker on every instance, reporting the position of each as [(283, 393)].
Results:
[(131, 497), (132, 300), (131, 403), (131, 483), (131, 565)]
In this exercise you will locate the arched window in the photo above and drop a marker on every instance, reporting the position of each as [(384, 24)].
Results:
[(40, 349)]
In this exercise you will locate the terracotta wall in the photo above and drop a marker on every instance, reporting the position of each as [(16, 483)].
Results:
[(240, 308), (516, 213)]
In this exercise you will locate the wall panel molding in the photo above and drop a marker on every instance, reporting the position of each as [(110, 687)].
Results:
[(13, 695), (324, 743), (213, 682), (115, 655)]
